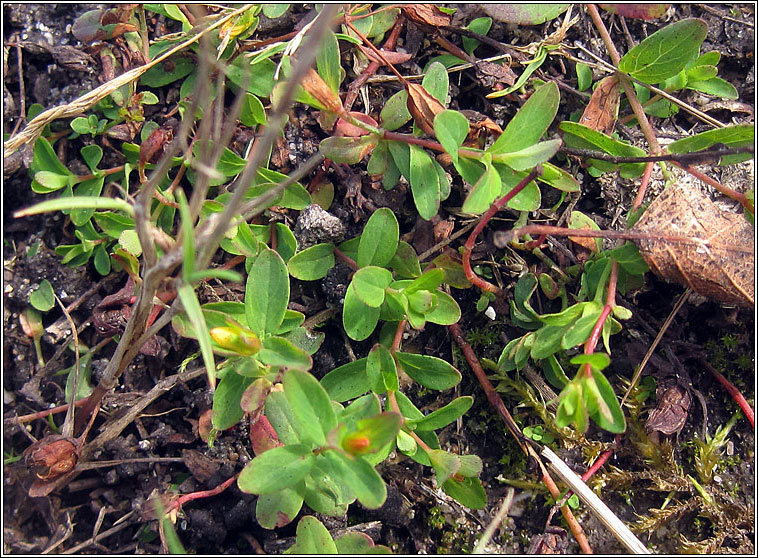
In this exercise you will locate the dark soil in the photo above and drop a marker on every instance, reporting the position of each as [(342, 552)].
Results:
[(417, 517)]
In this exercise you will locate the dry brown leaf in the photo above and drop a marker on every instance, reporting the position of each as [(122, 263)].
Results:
[(718, 263), (317, 87), (423, 106), (426, 15), (389, 55), (603, 109)]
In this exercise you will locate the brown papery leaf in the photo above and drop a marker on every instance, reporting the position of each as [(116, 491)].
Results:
[(423, 106), (389, 55), (317, 87), (719, 260), (426, 14), (603, 109)]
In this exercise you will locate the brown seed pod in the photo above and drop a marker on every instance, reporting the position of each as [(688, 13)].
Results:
[(51, 456)]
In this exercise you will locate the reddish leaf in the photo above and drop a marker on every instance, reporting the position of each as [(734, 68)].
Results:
[(152, 148), (718, 262), (344, 128), (637, 11), (390, 56), (524, 14)]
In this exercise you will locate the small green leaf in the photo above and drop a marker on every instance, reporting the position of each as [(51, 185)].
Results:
[(445, 464), (361, 477), (526, 13), (312, 263), (598, 361), (312, 538), (443, 416), (253, 112), (451, 128), (405, 261), (732, 137), (312, 410), (429, 281), (46, 182), (328, 61), (424, 183), (531, 121), (436, 81), (715, 86), (479, 25), (113, 224), (92, 154), (267, 293), (226, 400), (528, 157), (446, 311), (279, 509), (395, 113), (43, 298), (468, 492), (355, 542), (583, 137), (379, 239), (583, 76), (276, 469), (484, 192), (381, 370), (359, 319), (371, 434), (429, 371), (278, 351), (369, 284), (192, 308), (665, 53), (580, 331), (168, 71), (347, 381), (602, 400)]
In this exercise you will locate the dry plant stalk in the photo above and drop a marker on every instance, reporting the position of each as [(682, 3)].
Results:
[(32, 131)]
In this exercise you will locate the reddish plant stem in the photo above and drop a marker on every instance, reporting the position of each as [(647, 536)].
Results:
[(733, 391), (184, 498), (389, 44), (47, 412), (345, 258), (643, 186), (496, 206), (496, 401), (104, 172), (735, 195), (610, 302), (398, 336)]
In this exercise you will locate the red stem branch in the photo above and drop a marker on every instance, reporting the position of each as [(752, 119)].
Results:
[(733, 391), (496, 206)]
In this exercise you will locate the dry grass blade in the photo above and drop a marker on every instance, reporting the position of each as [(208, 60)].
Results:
[(30, 134), (720, 264)]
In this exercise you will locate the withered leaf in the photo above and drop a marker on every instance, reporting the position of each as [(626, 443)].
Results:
[(317, 87), (717, 262), (423, 106), (389, 55), (153, 147), (491, 74), (345, 128), (426, 15), (603, 109), (201, 466), (670, 414)]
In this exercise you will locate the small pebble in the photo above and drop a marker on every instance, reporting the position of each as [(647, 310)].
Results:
[(490, 313)]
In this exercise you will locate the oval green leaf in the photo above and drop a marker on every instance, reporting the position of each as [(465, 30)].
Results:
[(429, 371), (379, 239), (276, 469)]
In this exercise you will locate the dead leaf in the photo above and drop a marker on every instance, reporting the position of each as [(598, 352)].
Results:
[(719, 263), (423, 106), (389, 55), (317, 87), (636, 11), (202, 467), (494, 76), (603, 109), (426, 15)]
